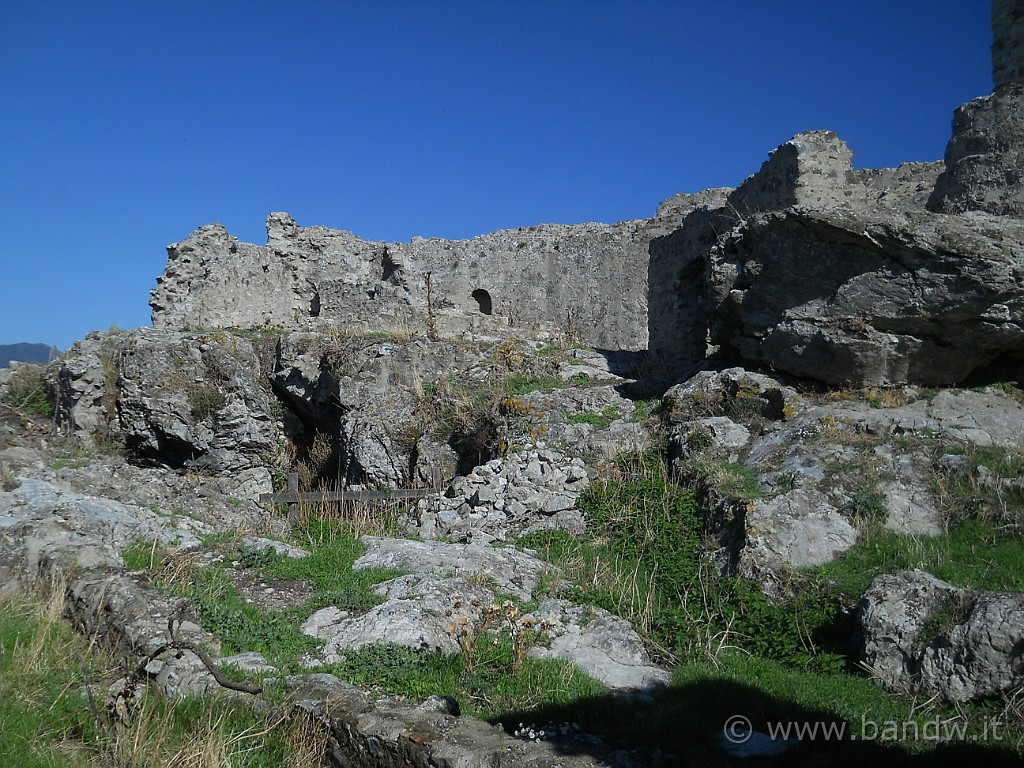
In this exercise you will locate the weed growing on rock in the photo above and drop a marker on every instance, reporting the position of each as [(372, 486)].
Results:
[(985, 483), (8, 480), (244, 626), (866, 503), (953, 611), (502, 631), (28, 393), (600, 420), (205, 400)]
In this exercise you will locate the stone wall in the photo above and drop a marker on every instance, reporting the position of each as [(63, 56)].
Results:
[(1007, 42), (584, 282), (985, 157)]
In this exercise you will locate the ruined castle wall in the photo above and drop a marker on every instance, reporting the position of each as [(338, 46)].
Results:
[(984, 160), (635, 285), (586, 282), (1007, 42)]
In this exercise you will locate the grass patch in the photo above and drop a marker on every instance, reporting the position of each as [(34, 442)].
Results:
[(684, 721), (737, 652), (975, 553), (484, 682), (46, 718), (205, 400), (242, 626), (989, 486), (600, 420), (646, 564), (329, 569)]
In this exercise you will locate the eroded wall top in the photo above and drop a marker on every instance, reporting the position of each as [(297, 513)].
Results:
[(1007, 42)]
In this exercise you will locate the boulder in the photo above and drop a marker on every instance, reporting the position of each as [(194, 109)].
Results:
[(509, 570), (864, 297), (419, 611), (194, 401), (795, 530), (45, 526), (172, 399), (84, 381), (598, 642), (924, 636)]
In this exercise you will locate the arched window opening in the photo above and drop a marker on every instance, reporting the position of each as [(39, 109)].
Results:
[(483, 300)]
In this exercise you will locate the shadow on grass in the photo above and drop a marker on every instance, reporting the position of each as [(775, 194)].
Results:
[(688, 724)]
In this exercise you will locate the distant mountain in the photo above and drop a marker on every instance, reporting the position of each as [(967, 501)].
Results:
[(26, 353)]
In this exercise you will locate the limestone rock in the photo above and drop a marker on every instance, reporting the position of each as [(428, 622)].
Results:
[(865, 297), (813, 169), (198, 503), (571, 420), (1007, 43), (171, 399), (798, 529), (780, 493), (388, 732), (927, 637), (735, 392), (187, 401), (601, 644), (45, 526), (420, 611), (508, 570), (84, 381)]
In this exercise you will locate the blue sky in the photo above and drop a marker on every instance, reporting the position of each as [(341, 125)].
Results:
[(125, 126)]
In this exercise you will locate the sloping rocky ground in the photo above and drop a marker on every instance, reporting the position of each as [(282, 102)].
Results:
[(786, 476), (820, 352)]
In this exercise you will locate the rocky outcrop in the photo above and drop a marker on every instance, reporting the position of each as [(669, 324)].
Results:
[(924, 636), (73, 541), (861, 297), (182, 401), (787, 480), (450, 596), (194, 402), (508, 570), (84, 381)]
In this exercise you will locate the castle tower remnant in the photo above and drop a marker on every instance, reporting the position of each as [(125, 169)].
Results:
[(1007, 42), (985, 157)]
